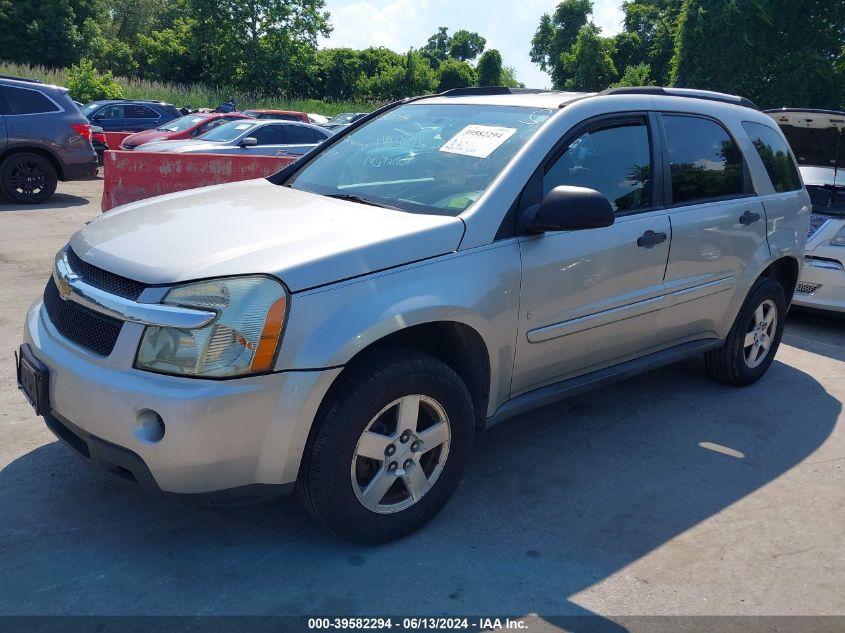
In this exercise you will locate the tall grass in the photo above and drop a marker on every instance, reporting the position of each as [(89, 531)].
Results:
[(194, 94)]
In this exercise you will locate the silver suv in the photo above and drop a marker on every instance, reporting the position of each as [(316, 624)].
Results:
[(346, 326)]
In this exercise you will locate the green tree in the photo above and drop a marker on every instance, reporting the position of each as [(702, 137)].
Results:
[(86, 84), (557, 34), (589, 66), (436, 49), (654, 22), (339, 69), (419, 77), (40, 32), (166, 54), (639, 75), (490, 69), (509, 79), (455, 74), (465, 45)]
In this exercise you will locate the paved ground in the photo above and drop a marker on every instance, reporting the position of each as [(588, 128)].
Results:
[(667, 494)]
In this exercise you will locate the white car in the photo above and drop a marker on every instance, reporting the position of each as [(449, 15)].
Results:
[(818, 142)]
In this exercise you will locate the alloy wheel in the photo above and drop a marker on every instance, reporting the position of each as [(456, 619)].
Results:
[(761, 334), (400, 454)]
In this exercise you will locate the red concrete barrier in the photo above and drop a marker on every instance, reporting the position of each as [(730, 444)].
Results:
[(131, 176), (114, 139)]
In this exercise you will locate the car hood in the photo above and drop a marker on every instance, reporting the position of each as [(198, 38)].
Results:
[(255, 226), (147, 136), (177, 146)]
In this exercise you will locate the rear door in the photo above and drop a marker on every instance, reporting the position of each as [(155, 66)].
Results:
[(590, 298), (138, 118), (4, 137), (718, 224)]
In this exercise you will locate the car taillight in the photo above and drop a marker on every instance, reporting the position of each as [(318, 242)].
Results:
[(83, 129), (99, 136)]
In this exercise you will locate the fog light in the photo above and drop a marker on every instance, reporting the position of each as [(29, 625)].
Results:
[(150, 427)]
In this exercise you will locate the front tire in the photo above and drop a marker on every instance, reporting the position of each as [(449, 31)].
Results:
[(28, 178), (388, 448), (754, 339)]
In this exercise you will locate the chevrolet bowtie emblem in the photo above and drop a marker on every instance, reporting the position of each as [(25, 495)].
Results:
[(63, 276)]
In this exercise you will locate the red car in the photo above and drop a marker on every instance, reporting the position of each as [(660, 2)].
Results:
[(183, 128), (281, 115)]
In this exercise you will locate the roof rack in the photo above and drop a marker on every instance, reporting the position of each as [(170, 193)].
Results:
[(691, 93), (489, 90), (26, 79)]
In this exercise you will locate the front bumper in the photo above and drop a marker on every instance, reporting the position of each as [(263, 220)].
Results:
[(219, 434), (821, 288)]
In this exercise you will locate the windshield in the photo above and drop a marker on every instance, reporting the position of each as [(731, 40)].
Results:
[(181, 124), (423, 158), (227, 132)]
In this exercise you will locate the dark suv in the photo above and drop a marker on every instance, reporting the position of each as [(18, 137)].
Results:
[(43, 139), (122, 115)]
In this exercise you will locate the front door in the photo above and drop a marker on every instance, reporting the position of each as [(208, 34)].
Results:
[(591, 298)]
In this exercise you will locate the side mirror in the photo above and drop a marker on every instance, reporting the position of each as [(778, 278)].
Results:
[(569, 209), (249, 141), (99, 117)]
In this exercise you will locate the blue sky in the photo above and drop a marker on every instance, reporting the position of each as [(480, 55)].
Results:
[(508, 26)]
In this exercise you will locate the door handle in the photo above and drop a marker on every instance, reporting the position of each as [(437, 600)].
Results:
[(749, 218), (650, 239)]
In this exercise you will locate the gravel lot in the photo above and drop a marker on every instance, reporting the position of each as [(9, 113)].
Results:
[(666, 494)]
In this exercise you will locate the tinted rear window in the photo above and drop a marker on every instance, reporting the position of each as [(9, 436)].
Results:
[(775, 155), (21, 101), (705, 162)]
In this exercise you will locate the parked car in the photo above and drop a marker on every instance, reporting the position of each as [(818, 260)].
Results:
[(317, 119), (817, 138), (262, 138), (346, 326), (123, 115), (279, 115), (345, 119), (43, 139), (186, 127)]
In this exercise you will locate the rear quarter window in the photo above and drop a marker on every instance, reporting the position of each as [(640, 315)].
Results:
[(774, 153), (22, 101)]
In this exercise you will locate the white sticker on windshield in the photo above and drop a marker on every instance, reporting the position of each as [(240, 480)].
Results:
[(243, 126), (478, 140)]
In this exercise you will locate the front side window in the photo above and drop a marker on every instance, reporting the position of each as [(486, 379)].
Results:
[(270, 135), (775, 155), (20, 101), (423, 157), (704, 161), (614, 160), (300, 135), (111, 112)]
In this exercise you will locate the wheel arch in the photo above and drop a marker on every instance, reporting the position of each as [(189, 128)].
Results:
[(27, 149), (785, 271)]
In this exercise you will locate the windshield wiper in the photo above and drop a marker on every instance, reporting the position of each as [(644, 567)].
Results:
[(351, 197)]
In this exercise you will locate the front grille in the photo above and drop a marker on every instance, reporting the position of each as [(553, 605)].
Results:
[(104, 280), (816, 222), (806, 289), (93, 331)]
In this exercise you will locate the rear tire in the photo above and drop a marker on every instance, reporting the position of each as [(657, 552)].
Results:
[(28, 178), (388, 447), (754, 338)]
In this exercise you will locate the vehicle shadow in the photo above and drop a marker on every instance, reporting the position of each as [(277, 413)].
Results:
[(817, 332), (57, 201), (553, 502)]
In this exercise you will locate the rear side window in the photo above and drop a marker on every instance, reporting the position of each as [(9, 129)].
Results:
[(613, 160), (704, 161), (774, 153), (302, 135), (139, 112), (20, 101)]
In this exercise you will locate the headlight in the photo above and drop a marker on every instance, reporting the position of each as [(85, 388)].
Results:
[(243, 339), (839, 238)]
